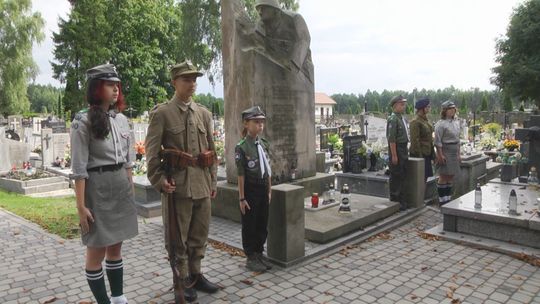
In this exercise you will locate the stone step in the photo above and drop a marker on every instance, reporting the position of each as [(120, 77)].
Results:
[(148, 210), (54, 194), (46, 188), (43, 181)]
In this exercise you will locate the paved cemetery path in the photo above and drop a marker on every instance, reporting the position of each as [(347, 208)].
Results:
[(395, 267)]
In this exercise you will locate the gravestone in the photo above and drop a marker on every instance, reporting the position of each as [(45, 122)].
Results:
[(269, 64), (47, 151), (58, 126), (60, 145), (36, 125), (140, 130), (12, 153), (15, 123), (376, 128), (323, 135), (32, 139), (529, 135), (352, 161)]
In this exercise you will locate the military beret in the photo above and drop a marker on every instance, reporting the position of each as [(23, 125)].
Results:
[(422, 103), (253, 113), (448, 104), (184, 68), (398, 98), (104, 71)]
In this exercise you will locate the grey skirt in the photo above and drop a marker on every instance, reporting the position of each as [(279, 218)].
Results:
[(109, 196), (452, 166)]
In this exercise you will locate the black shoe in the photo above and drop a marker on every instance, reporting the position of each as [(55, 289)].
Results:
[(190, 294), (202, 284), (265, 263)]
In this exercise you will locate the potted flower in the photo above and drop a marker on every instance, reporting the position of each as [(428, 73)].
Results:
[(509, 165), (511, 144), (139, 150)]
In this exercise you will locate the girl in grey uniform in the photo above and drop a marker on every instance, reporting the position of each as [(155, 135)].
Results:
[(102, 156), (447, 131)]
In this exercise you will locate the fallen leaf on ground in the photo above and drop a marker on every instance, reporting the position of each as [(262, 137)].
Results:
[(429, 237), (414, 297), (53, 299), (227, 248), (424, 268), (456, 301), (247, 282), (530, 259)]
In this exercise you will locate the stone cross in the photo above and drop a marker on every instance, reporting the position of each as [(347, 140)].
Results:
[(14, 125), (139, 134), (47, 138)]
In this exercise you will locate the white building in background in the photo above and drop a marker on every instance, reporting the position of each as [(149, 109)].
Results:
[(324, 106)]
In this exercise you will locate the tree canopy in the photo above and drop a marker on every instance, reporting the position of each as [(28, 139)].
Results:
[(143, 38), (19, 28), (518, 54), (469, 100)]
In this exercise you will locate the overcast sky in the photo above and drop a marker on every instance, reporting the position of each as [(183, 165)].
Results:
[(373, 44)]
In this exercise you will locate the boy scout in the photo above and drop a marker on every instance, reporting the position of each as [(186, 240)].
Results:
[(254, 187), (398, 137), (183, 125), (422, 136)]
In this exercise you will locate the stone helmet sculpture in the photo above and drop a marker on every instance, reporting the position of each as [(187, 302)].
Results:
[(272, 3)]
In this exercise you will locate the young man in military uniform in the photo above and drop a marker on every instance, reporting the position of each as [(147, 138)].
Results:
[(398, 137), (422, 136), (183, 125)]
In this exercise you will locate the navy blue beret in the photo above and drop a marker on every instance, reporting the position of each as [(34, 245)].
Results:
[(421, 103)]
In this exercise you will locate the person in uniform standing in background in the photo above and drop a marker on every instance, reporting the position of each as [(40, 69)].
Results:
[(183, 125), (397, 135), (447, 131), (254, 187), (102, 156), (422, 136)]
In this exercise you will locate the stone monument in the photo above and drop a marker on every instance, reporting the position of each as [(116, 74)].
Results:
[(267, 62), (530, 138)]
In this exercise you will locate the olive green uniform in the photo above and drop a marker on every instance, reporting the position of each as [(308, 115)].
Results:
[(255, 219), (396, 132), (422, 142), (187, 127)]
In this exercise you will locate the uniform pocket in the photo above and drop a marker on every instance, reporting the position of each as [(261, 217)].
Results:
[(202, 137)]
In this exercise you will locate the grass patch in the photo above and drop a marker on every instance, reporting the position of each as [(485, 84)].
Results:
[(56, 215)]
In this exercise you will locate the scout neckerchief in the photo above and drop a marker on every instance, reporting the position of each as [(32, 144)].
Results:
[(263, 160)]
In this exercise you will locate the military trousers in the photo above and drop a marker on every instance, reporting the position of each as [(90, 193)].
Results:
[(193, 216), (398, 174), (255, 220)]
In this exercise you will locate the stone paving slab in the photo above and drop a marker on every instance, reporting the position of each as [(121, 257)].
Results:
[(395, 267)]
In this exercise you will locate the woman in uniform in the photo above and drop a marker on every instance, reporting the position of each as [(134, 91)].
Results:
[(447, 131), (422, 136), (102, 157), (254, 183)]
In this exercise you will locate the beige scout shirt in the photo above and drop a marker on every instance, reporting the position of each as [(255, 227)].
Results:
[(186, 127)]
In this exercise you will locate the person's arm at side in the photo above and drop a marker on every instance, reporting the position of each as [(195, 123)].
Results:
[(438, 144), (80, 141), (152, 145), (85, 215), (392, 130), (212, 147), (414, 129)]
